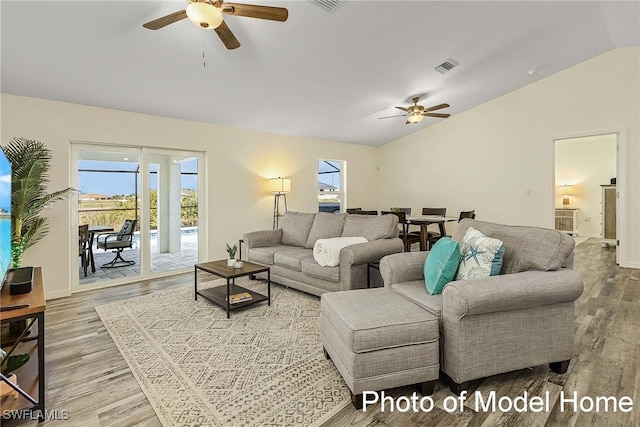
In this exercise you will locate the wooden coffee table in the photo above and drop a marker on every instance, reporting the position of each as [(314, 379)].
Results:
[(220, 294)]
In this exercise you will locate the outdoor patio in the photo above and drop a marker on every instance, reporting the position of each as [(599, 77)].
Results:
[(160, 262)]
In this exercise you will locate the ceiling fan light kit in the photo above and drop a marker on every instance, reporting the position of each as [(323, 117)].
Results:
[(204, 15), (415, 118)]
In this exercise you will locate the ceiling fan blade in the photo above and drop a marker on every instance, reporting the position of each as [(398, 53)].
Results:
[(227, 37), (253, 11), (436, 107), (403, 109), (388, 117), (156, 24), (444, 116)]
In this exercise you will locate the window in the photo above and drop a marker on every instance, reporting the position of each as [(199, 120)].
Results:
[(332, 192)]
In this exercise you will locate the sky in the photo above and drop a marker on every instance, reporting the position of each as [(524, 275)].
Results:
[(112, 184)]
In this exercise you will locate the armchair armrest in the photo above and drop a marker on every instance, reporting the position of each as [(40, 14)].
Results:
[(362, 253), (510, 292), (403, 267), (263, 238)]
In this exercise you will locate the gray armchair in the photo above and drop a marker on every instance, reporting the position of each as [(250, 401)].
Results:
[(117, 242), (521, 318)]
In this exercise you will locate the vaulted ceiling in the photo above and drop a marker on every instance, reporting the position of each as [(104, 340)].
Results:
[(321, 74)]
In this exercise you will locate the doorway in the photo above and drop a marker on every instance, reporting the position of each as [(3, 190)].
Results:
[(586, 171), (159, 189)]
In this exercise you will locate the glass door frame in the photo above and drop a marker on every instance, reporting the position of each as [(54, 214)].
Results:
[(144, 154)]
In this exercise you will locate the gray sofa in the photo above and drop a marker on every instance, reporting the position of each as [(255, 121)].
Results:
[(288, 250), (521, 318)]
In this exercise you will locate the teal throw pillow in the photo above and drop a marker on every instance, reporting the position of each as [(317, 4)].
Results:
[(441, 264), (481, 256)]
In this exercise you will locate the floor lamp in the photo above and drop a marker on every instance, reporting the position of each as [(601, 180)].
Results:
[(279, 187)]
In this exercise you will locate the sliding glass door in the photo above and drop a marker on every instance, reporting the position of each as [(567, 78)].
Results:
[(173, 210), (155, 190)]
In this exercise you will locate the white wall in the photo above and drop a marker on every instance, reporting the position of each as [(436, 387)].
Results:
[(585, 164), (487, 157), (238, 163)]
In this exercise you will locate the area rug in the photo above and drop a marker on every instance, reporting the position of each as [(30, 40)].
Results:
[(263, 366)]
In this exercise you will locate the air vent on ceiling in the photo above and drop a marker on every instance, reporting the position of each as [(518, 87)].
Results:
[(328, 5), (446, 66)]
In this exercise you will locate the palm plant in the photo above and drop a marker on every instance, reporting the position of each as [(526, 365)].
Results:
[(30, 163)]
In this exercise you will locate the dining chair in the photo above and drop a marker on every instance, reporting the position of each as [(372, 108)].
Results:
[(361, 212), (467, 214), (407, 238), (117, 242), (83, 246), (433, 236)]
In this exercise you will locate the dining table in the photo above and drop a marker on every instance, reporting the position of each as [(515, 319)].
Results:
[(426, 220), (93, 229)]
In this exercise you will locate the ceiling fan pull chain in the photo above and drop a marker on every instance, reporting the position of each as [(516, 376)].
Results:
[(204, 45)]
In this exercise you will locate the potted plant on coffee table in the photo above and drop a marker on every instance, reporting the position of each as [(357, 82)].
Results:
[(231, 251)]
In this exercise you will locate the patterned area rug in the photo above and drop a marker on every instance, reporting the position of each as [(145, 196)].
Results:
[(263, 366)]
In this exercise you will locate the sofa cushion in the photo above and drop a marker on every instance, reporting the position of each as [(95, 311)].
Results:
[(266, 254), (371, 227), (311, 268), (441, 264), (414, 291), (325, 226), (296, 227), (481, 256), (525, 248), (292, 258)]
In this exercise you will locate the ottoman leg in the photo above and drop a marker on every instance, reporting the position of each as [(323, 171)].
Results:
[(326, 355), (560, 367), (426, 388), (458, 388), (356, 400)]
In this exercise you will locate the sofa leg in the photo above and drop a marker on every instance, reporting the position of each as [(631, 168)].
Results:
[(560, 367), (326, 355), (356, 401), (426, 388), (458, 388)]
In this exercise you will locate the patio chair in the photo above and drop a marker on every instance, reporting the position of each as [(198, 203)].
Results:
[(116, 242)]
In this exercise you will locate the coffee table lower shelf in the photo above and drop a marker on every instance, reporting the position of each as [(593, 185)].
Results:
[(218, 295)]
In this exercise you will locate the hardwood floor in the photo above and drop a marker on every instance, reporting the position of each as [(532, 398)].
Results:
[(89, 379)]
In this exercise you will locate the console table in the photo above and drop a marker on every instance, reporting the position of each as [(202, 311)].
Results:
[(31, 380)]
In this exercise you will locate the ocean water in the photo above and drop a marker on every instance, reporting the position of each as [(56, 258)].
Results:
[(5, 245)]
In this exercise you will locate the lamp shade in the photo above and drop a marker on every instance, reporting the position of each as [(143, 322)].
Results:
[(279, 185), (566, 190), (204, 15)]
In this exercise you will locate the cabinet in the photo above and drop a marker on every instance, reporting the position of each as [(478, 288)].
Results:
[(567, 221), (609, 198), (30, 394)]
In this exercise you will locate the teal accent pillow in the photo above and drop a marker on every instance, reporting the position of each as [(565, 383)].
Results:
[(441, 265)]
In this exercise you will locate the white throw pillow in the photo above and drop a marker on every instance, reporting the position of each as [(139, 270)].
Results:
[(480, 256)]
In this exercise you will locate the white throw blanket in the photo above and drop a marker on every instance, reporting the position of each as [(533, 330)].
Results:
[(326, 252)]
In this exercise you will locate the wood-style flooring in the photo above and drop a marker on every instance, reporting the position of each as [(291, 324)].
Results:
[(88, 378)]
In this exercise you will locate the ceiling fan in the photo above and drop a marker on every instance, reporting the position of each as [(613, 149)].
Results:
[(208, 14), (417, 113)]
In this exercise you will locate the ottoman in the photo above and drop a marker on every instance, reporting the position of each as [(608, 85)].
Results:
[(378, 339)]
